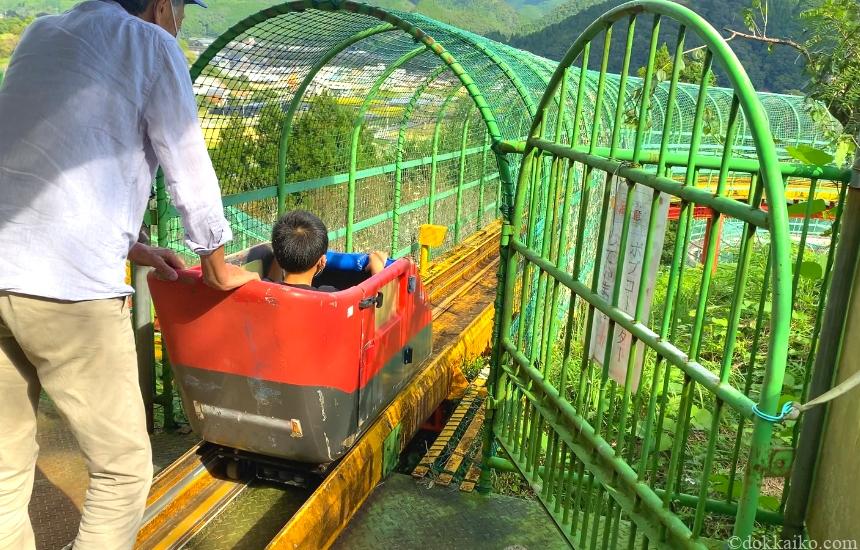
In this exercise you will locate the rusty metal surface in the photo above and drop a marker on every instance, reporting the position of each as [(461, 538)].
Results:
[(61, 476)]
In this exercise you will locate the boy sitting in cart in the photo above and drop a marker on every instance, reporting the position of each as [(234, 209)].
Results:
[(300, 244)]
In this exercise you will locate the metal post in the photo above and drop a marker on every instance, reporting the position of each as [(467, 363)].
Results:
[(166, 396), (461, 178), (144, 336), (401, 140), (481, 190), (713, 230), (826, 360), (434, 153)]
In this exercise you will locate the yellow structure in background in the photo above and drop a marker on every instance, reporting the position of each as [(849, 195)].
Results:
[(429, 236)]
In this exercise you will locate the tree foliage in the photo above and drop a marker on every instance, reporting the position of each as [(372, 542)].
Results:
[(247, 152), (831, 48), (692, 67), (834, 47), (320, 141), (11, 29), (780, 71)]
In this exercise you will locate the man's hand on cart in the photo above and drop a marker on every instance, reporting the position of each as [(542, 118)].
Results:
[(165, 261), (220, 275)]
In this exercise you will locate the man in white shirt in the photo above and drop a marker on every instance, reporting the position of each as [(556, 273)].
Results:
[(93, 101)]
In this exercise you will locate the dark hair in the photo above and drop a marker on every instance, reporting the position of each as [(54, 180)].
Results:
[(134, 7), (299, 239)]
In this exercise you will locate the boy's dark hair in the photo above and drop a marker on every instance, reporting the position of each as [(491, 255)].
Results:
[(299, 239)]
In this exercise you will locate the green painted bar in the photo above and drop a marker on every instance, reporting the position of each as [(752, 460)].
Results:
[(645, 105), (620, 101), (461, 175), (401, 140), (165, 398), (603, 462), (685, 500), (750, 166), (688, 193), (435, 158), (328, 181), (601, 87), (482, 189), (740, 402)]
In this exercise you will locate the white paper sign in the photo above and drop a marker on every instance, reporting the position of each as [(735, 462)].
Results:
[(641, 199)]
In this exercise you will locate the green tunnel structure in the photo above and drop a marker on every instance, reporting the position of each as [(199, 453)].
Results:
[(380, 121)]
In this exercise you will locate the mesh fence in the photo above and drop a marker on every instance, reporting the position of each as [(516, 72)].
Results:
[(346, 112)]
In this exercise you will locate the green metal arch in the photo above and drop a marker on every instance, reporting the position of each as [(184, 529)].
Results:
[(777, 219), (508, 72), (534, 68), (395, 21)]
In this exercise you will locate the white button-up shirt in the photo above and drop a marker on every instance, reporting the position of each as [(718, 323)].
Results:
[(93, 101)]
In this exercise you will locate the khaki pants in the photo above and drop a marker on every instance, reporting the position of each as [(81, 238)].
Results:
[(83, 355)]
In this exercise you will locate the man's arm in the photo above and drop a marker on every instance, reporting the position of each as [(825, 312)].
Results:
[(223, 276), (174, 131)]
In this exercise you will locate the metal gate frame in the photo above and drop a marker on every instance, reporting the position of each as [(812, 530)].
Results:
[(576, 464)]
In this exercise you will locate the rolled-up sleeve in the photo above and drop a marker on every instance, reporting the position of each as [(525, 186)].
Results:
[(173, 129)]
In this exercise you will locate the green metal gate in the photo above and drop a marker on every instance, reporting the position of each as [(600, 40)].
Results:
[(629, 387)]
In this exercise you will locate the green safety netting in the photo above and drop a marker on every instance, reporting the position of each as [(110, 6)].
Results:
[(380, 121)]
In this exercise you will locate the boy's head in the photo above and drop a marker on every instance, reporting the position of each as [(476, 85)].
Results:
[(300, 242)]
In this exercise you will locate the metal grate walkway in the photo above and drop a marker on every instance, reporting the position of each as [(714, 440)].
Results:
[(403, 513)]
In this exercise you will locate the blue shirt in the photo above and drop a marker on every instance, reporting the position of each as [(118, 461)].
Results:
[(93, 101)]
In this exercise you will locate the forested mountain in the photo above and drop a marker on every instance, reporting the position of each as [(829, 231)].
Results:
[(505, 17), (779, 70), (545, 27)]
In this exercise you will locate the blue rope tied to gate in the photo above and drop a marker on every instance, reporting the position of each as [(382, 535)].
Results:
[(792, 410), (787, 410)]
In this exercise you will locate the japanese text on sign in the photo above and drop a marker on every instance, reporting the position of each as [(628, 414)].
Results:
[(641, 200)]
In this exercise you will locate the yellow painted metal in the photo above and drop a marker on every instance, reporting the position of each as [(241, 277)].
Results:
[(429, 236), (321, 519), (193, 522), (447, 432), (174, 474), (432, 235), (462, 450)]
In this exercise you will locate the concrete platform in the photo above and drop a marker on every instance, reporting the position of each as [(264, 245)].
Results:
[(403, 513), (61, 476)]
